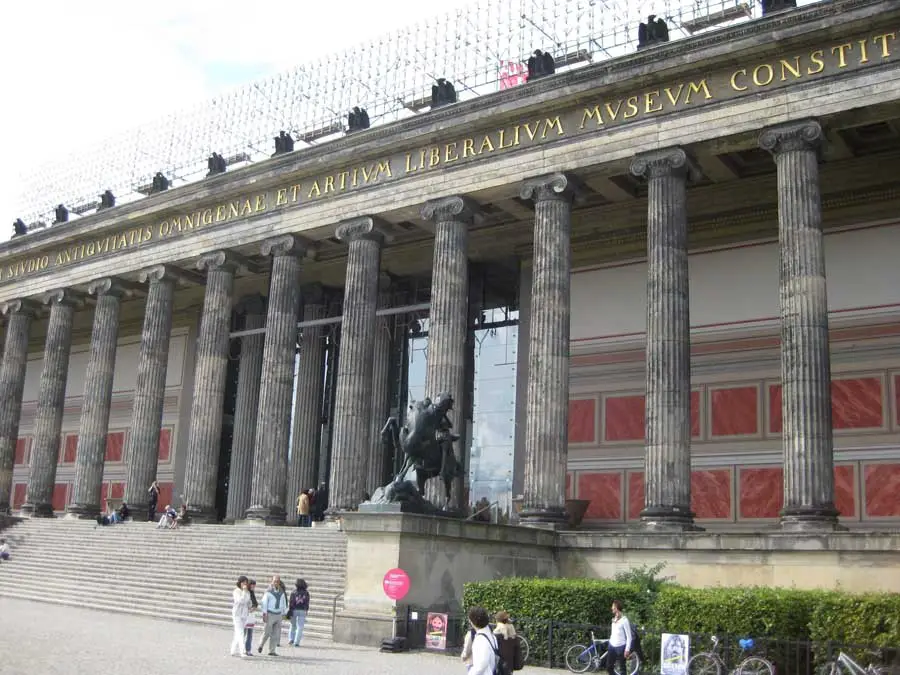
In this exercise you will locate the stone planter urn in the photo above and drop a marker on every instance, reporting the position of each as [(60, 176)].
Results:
[(575, 510)]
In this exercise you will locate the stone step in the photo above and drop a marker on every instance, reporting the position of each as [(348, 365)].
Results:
[(185, 574), (200, 585), (311, 630)]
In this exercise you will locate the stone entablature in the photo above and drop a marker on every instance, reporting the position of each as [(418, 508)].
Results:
[(219, 211)]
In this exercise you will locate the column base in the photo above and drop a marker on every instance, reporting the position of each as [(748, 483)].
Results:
[(38, 510), (555, 517), (83, 511), (668, 519), (810, 519), (203, 515), (270, 515)]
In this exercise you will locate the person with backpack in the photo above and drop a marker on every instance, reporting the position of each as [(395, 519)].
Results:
[(299, 606), (508, 642), (620, 639), (486, 658)]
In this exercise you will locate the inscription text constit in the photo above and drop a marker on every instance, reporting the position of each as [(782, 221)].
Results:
[(596, 116)]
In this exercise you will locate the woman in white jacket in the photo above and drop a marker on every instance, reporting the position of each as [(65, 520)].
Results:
[(240, 612)]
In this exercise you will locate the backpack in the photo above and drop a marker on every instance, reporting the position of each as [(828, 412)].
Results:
[(636, 641), (500, 667)]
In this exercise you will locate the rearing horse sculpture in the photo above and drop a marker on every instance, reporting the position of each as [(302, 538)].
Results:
[(426, 441)]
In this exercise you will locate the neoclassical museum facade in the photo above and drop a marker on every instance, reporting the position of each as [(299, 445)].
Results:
[(666, 283)]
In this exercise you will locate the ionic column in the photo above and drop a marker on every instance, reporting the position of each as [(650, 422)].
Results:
[(381, 391), (353, 397), (50, 405), (448, 322), (98, 388), (12, 384), (142, 440), (546, 427), (273, 423), (805, 360), (253, 307), (202, 469), (308, 404), (667, 458)]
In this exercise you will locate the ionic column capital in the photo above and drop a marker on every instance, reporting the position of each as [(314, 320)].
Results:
[(287, 244), (666, 162), (159, 273), (111, 286), (20, 306), (456, 208), (62, 296), (803, 135), (364, 227), (217, 260), (550, 187)]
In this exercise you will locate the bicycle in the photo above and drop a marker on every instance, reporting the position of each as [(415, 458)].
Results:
[(853, 667), (711, 663), (524, 647), (579, 658)]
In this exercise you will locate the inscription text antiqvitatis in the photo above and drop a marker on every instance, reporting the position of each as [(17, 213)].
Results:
[(604, 113)]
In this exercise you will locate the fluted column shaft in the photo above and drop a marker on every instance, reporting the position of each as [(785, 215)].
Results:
[(667, 459), (308, 404), (98, 388), (353, 396), (448, 322), (202, 469), (273, 423), (246, 408), (142, 444), (546, 428), (12, 385), (805, 360), (50, 405), (381, 395)]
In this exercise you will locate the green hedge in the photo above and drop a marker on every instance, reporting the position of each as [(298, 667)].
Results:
[(785, 614)]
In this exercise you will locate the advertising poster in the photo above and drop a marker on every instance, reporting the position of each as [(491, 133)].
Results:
[(436, 631), (674, 654)]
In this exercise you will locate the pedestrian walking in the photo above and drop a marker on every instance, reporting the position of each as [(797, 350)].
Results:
[(240, 611), (298, 610), (274, 607), (253, 620)]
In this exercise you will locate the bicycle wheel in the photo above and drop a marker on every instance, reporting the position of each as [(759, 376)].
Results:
[(704, 664), (579, 658), (524, 648), (756, 665), (632, 665)]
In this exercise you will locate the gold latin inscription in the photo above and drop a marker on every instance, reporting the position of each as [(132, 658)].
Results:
[(594, 116)]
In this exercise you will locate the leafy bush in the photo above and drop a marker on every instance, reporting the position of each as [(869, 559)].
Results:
[(868, 619)]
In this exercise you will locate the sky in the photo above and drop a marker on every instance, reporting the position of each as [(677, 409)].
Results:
[(74, 73)]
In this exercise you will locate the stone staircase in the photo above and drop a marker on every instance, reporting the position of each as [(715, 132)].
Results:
[(186, 574)]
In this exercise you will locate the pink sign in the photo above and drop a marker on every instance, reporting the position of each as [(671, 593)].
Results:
[(396, 584)]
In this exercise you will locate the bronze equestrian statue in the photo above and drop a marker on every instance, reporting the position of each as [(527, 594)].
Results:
[(426, 441)]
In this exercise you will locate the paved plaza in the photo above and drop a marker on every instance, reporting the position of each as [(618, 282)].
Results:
[(44, 639)]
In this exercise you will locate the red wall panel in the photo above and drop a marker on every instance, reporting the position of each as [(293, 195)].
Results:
[(735, 411), (761, 492), (582, 421), (71, 447), (19, 492), (857, 403), (165, 496), (117, 490), (115, 446), (605, 492), (882, 483), (165, 445), (711, 493), (21, 451), (60, 490), (695, 414), (624, 418), (635, 494), (845, 490)]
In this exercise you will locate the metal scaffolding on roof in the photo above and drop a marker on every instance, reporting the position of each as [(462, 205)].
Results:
[(481, 49)]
